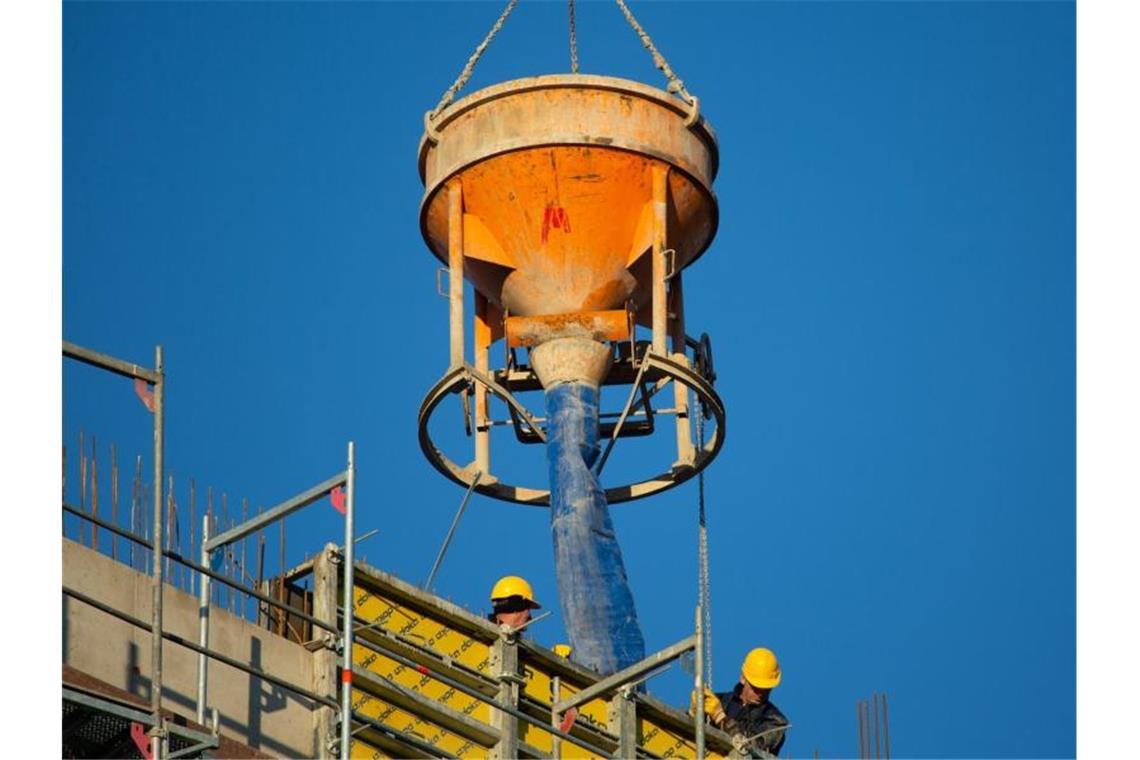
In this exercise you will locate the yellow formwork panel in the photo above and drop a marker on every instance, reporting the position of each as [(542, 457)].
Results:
[(414, 680), (433, 635), (406, 722), (539, 686), (665, 742), (438, 636), (359, 750)]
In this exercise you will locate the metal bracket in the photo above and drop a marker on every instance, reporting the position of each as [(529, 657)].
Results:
[(430, 131), (694, 115), (439, 282), (670, 256)]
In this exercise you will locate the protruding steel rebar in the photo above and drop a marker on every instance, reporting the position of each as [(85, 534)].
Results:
[(875, 711), (94, 493), (859, 717), (114, 501), (886, 730), (82, 481)]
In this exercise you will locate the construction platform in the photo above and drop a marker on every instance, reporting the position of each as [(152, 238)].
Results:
[(429, 678)]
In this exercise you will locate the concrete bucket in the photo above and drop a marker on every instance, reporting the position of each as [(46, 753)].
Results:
[(570, 202)]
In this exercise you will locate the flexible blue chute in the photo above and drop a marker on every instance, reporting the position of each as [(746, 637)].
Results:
[(597, 604)]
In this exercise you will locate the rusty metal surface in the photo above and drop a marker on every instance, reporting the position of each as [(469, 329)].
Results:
[(598, 325), (557, 174)]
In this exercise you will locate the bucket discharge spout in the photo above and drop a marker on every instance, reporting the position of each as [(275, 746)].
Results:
[(597, 604)]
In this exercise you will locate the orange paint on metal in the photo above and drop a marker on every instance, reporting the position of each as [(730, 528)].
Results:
[(558, 172), (479, 243), (597, 325)]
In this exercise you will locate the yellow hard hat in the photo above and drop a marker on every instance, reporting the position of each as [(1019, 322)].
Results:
[(512, 585), (761, 669), (562, 650)]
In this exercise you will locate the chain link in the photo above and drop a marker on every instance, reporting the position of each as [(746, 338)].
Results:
[(573, 41), (676, 86), (464, 75), (703, 555)]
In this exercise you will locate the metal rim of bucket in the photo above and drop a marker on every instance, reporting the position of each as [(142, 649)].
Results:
[(457, 380), (569, 81), (559, 81)]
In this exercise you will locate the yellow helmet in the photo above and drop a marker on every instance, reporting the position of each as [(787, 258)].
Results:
[(512, 585), (761, 669)]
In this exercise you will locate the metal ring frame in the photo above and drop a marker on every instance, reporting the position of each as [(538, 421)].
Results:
[(458, 378)]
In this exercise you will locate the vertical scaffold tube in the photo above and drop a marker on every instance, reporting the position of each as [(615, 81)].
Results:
[(597, 604)]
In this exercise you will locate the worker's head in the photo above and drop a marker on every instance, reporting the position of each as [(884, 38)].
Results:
[(511, 601), (759, 675)]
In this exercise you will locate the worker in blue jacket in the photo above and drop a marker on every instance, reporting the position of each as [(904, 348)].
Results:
[(757, 726)]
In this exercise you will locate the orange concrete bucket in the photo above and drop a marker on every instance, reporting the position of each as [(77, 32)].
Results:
[(556, 180)]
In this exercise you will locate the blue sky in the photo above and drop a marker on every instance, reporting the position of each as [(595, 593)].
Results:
[(890, 295)]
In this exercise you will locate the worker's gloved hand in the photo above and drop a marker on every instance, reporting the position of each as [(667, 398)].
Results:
[(713, 709)]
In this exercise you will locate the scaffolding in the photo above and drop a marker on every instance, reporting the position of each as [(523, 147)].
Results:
[(410, 674)]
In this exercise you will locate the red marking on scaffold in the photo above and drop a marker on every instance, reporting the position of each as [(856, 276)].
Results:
[(337, 497), (422, 670), (138, 734), (554, 216), (145, 394), (346, 675), (568, 719)]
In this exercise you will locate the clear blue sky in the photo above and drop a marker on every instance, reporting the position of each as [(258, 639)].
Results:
[(890, 295)]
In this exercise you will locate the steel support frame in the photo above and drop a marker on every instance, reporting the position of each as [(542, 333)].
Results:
[(657, 369), (203, 741), (505, 657), (238, 532), (156, 378), (628, 675)]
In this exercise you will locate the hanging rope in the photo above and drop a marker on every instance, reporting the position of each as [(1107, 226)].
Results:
[(464, 75), (676, 86), (573, 41), (703, 555)]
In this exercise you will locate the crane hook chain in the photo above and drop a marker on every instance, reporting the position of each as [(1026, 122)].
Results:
[(464, 75), (676, 86)]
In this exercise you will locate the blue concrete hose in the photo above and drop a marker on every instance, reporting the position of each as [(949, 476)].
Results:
[(597, 604)]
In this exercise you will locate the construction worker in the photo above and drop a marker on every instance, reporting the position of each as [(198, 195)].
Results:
[(512, 599), (757, 726)]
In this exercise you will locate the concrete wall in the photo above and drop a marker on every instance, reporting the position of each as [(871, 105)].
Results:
[(254, 712)]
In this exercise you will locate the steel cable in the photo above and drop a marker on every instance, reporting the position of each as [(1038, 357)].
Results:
[(464, 75), (676, 86)]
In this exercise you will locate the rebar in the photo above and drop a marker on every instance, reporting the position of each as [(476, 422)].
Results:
[(94, 492), (875, 711), (114, 501), (886, 730), (82, 481)]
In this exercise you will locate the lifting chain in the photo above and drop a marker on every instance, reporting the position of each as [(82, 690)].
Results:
[(676, 86), (705, 590), (573, 41), (464, 75)]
